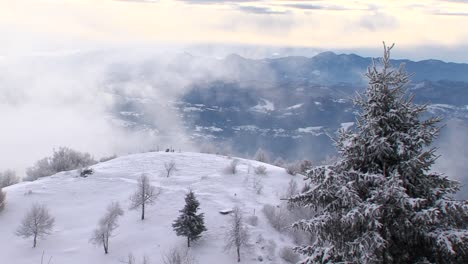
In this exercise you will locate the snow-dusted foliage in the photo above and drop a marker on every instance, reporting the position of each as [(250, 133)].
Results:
[(380, 203), (261, 156), (232, 167), (279, 162), (237, 235), (130, 259), (8, 178), (189, 223), (146, 194), (106, 226), (292, 168), (178, 256), (279, 217), (2, 199), (37, 223), (260, 170), (63, 159), (288, 255)]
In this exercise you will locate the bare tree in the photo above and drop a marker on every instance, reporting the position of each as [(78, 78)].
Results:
[(170, 167), (237, 236), (106, 226), (37, 223), (146, 194), (2, 199), (257, 184)]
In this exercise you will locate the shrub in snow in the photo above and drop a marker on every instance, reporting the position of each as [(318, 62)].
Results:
[(292, 189), (237, 235), (2, 199), (37, 223), (146, 194), (189, 223), (304, 166), (380, 202), (106, 226), (178, 256), (63, 159), (130, 259), (8, 178), (169, 167), (279, 162), (278, 217), (288, 255), (260, 170), (261, 156), (292, 169), (232, 167)]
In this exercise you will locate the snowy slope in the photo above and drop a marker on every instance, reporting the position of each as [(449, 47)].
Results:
[(78, 203)]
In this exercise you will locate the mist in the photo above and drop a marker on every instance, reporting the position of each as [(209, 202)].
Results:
[(71, 100), (453, 154)]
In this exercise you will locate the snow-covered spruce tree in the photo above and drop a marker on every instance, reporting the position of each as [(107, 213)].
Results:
[(106, 226), (237, 235), (189, 223), (37, 223), (380, 203), (146, 194)]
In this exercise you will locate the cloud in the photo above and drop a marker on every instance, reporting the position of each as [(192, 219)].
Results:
[(82, 101), (261, 10), (378, 21), (260, 25), (456, 1), (213, 2), (139, 1), (317, 7), (438, 13)]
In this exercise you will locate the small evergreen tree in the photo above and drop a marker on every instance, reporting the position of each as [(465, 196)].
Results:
[(189, 223), (380, 203)]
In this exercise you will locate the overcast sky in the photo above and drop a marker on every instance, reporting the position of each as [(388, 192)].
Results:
[(30, 26)]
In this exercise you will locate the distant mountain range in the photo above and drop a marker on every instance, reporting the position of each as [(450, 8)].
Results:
[(291, 106)]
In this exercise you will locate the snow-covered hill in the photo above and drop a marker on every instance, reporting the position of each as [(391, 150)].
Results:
[(78, 203)]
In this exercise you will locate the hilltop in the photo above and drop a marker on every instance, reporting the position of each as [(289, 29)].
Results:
[(78, 203)]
